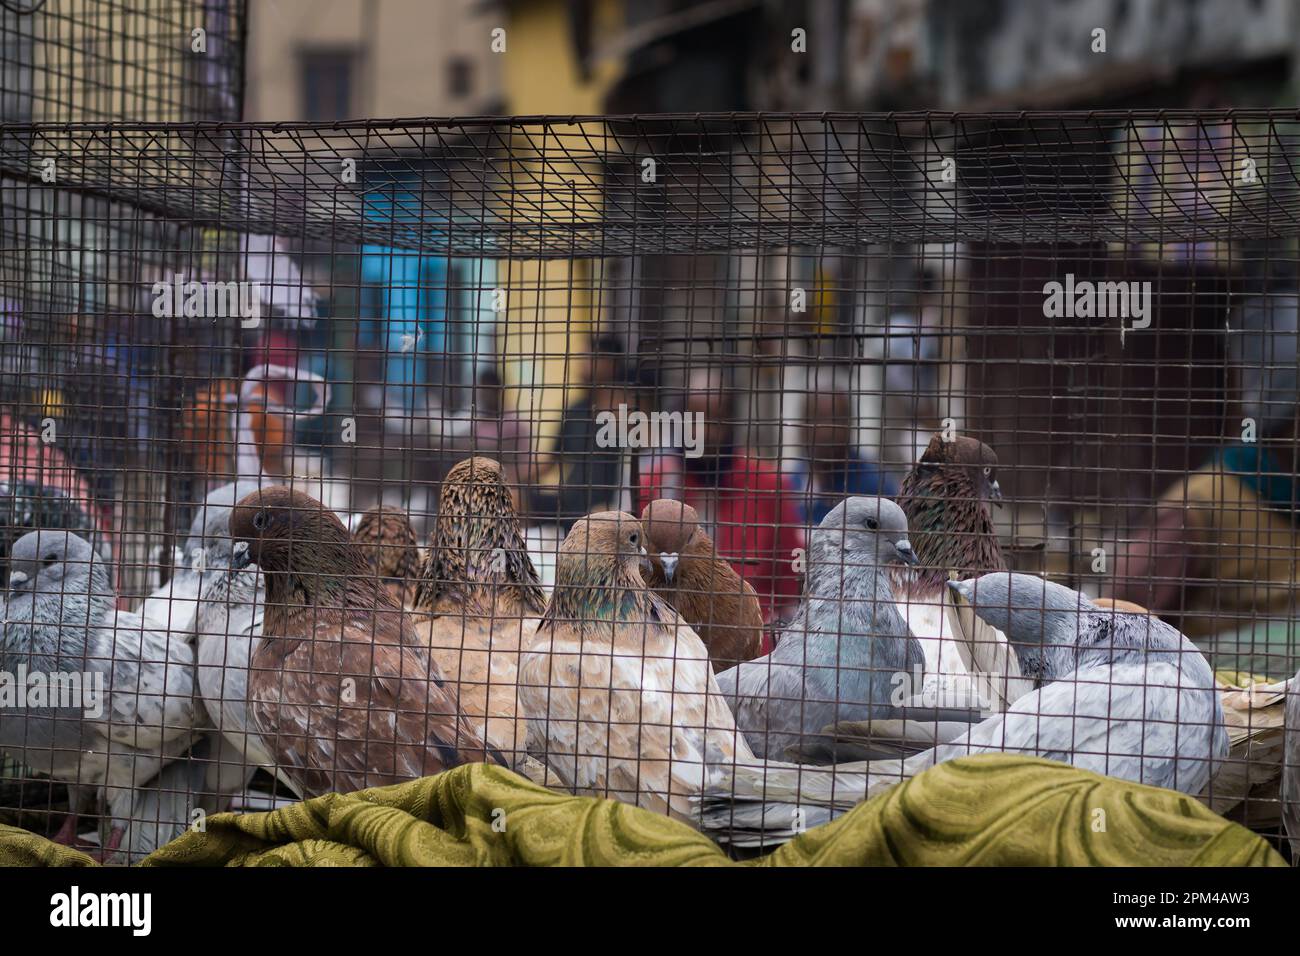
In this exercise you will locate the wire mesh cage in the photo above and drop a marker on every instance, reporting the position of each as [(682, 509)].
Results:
[(1065, 344), (102, 61)]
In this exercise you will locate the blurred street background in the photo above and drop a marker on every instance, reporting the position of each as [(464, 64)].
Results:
[(426, 368)]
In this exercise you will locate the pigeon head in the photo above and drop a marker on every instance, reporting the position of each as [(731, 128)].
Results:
[(602, 549), (1043, 620), (670, 527), (946, 496), (56, 562), (209, 543), (389, 542), (477, 542), (598, 572), (475, 512), (862, 531), (476, 487), (296, 541), (967, 457)]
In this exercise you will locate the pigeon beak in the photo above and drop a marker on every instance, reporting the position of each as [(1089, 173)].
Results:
[(241, 555), (17, 579), (905, 552), (996, 490), (669, 561)]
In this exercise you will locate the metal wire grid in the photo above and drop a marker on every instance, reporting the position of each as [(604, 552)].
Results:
[(462, 290), (598, 186), (106, 61)]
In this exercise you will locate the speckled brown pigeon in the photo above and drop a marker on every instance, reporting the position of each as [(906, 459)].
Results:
[(481, 601), (946, 497), (342, 689), (388, 541)]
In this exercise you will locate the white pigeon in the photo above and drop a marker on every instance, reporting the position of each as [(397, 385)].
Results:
[(136, 708), (175, 603), (227, 628)]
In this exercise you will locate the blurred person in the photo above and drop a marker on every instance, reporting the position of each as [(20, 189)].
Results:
[(644, 396), (499, 432), (833, 469), (1218, 556), (582, 473), (743, 502), (910, 386)]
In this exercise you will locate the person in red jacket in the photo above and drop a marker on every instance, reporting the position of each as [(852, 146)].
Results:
[(744, 503)]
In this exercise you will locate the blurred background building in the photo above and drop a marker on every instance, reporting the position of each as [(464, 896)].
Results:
[(413, 340), (444, 324), (417, 341), (323, 60)]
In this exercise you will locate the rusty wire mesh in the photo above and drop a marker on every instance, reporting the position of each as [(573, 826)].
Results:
[(379, 300)]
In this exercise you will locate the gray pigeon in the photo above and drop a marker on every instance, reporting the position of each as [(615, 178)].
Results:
[(163, 808), (126, 704), (1147, 692), (174, 604), (1124, 694), (848, 653)]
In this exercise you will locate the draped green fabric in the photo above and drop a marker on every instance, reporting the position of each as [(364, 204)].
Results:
[(992, 809)]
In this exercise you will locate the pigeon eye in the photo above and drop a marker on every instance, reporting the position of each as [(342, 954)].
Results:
[(634, 538), (260, 521), (872, 524), (48, 560), (987, 471)]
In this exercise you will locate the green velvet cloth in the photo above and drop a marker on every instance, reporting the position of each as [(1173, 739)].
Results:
[(991, 810)]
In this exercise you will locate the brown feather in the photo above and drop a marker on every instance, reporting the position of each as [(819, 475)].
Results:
[(480, 591), (706, 591), (948, 518), (391, 549), (618, 692), (478, 555), (340, 686)]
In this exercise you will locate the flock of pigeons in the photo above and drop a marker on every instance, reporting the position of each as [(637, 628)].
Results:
[(340, 659)]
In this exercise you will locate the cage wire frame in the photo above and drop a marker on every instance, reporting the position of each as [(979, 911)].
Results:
[(351, 308), (103, 61)]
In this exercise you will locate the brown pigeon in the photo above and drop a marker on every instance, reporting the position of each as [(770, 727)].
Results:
[(946, 497), (479, 590), (342, 690), (620, 698), (389, 544), (711, 597)]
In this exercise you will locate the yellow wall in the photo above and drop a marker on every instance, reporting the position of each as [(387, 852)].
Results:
[(413, 43), (551, 312), (539, 71)]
